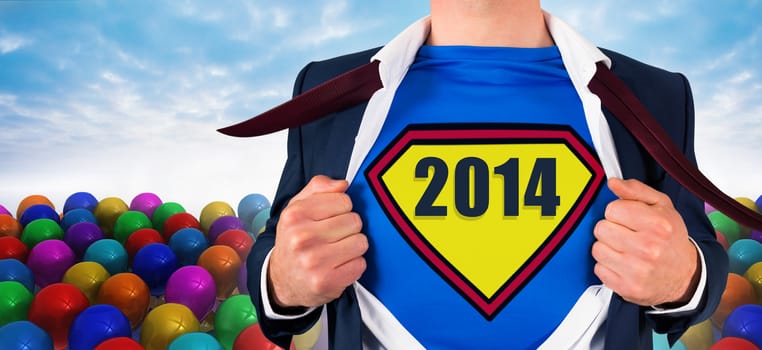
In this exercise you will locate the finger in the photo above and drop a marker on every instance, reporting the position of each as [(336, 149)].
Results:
[(608, 277), (321, 184), (635, 190), (349, 272), (614, 235), (347, 249), (321, 206), (635, 215), (339, 227)]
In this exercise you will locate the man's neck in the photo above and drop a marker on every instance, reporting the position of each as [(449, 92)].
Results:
[(510, 23)]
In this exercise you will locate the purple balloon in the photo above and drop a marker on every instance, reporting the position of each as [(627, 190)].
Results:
[(708, 208), (222, 224), (756, 235), (81, 235), (193, 287), (145, 203), (243, 278), (4, 211), (49, 261)]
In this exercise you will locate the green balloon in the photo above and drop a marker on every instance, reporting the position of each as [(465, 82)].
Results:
[(729, 228), (129, 222), (232, 317), (40, 230), (163, 212), (15, 300)]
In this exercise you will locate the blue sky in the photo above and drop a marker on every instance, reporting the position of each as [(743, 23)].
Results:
[(122, 97)]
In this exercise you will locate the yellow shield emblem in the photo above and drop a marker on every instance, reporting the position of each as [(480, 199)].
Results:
[(486, 206)]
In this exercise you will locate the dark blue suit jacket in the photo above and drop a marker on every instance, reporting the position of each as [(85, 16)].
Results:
[(324, 147)]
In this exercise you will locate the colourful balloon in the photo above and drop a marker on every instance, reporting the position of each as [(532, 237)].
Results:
[(32, 200), (163, 212), (222, 224), (223, 263), (49, 260), (308, 339), (237, 239), (726, 226), (75, 216), (4, 211), (9, 226), (146, 203), (15, 300), (97, 324), (193, 287), (107, 211), (754, 276), (233, 316), (733, 343), (178, 222), (41, 230), (743, 253), (128, 293), (699, 336), (250, 206), (252, 338), (13, 248), (54, 309), (721, 238), (24, 335), (212, 211), (188, 244), (38, 211), (88, 277), (745, 322), (110, 254), (154, 263), (140, 239), (14, 270), (659, 343), (80, 200), (738, 291), (81, 235), (165, 323), (755, 235), (195, 341), (259, 222), (120, 343), (129, 222), (243, 279)]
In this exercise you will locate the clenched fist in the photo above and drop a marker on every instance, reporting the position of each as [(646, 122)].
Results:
[(642, 251), (318, 248)]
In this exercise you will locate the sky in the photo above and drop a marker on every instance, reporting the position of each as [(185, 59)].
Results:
[(118, 98)]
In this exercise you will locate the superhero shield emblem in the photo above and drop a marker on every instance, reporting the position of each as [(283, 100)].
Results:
[(486, 206)]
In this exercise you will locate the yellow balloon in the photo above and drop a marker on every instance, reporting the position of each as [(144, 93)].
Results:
[(308, 339), (107, 211), (754, 275), (87, 276), (747, 202), (698, 336), (212, 211), (165, 323)]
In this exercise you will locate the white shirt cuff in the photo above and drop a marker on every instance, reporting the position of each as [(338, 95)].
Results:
[(269, 312), (696, 299)]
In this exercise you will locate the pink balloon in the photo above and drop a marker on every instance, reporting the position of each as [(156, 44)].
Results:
[(49, 261)]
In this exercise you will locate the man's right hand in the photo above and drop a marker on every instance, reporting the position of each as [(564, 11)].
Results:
[(318, 246)]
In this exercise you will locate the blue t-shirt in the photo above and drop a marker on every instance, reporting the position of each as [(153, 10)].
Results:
[(479, 197)]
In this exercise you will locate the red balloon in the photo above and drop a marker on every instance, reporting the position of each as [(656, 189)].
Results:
[(119, 343), (252, 338), (178, 222), (12, 248), (237, 239), (54, 308), (733, 343), (140, 238), (722, 239)]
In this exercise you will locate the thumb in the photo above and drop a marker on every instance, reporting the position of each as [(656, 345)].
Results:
[(321, 184), (635, 190)]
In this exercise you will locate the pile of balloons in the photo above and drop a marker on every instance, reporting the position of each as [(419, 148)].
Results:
[(737, 322), (104, 275)]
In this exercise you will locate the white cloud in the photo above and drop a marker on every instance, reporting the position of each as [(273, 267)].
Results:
[(11, 42)]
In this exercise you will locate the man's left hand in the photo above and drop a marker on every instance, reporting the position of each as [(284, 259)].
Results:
[(642, 251)]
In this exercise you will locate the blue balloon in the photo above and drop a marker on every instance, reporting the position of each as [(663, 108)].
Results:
[(745, 322), (660, 342), (188, 244), (154, 263), (195, 341), (14, 270), (742, 254), (110, 254), (76, 216), (250, 206), (97, 324), (260, 221), (81, 200), (38, 211), (24, 335)]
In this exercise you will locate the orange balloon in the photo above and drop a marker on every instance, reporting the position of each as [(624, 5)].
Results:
[(223, 264), (9, 226), (738, 291), (128, 293), (237, 239), (32, 200)]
